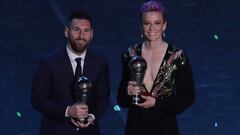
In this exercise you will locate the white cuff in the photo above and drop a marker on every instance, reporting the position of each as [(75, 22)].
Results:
[(92, 116), (66, 112)]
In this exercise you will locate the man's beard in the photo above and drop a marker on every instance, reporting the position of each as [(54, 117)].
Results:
[(78, 48)]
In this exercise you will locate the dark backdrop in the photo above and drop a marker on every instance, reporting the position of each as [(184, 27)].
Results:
[(208, 30)]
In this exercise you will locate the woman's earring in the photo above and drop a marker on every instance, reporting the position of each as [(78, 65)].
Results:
[(141, 35), (164, 35)]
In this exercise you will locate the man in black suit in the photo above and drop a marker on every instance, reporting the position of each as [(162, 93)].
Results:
[(52, 88)]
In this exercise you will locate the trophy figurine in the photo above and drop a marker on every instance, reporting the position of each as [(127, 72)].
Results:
[(83, 89), (137, 66)]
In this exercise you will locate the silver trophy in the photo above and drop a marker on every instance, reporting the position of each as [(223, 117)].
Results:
[(137, 66), (83, 88)]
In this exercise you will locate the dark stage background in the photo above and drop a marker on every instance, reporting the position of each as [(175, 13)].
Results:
[(208, 30)]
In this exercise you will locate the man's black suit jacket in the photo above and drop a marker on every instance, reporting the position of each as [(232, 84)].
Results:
[(52, 92)]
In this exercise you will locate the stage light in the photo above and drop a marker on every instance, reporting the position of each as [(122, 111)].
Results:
[(117, 108), (18, 114), (216, 37)]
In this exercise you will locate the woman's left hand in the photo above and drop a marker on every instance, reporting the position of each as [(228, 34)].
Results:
[(149, 102)]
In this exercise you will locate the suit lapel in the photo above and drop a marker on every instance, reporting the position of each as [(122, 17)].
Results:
[(68, 71)]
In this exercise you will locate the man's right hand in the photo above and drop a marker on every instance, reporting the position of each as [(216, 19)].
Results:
[(79, 124), (77, 111)]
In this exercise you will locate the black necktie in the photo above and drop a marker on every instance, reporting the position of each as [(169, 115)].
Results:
[(78, 70)]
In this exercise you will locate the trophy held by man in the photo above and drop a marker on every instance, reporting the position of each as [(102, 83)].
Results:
[(83, 88)]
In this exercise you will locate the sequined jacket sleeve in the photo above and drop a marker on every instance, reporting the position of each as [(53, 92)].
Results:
[(184, 95)]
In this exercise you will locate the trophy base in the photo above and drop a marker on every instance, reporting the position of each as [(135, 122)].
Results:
[(137, 100), (135, 103), (83, 120)]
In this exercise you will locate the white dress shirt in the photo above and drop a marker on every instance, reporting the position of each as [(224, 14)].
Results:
[(72, 56)]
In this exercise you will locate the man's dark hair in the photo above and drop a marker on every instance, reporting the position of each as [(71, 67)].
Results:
[(79, 14)]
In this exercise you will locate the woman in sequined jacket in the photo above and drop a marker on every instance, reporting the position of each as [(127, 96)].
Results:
[(167, 88)]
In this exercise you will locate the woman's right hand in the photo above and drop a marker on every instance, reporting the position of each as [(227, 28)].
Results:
[(133, 88)]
